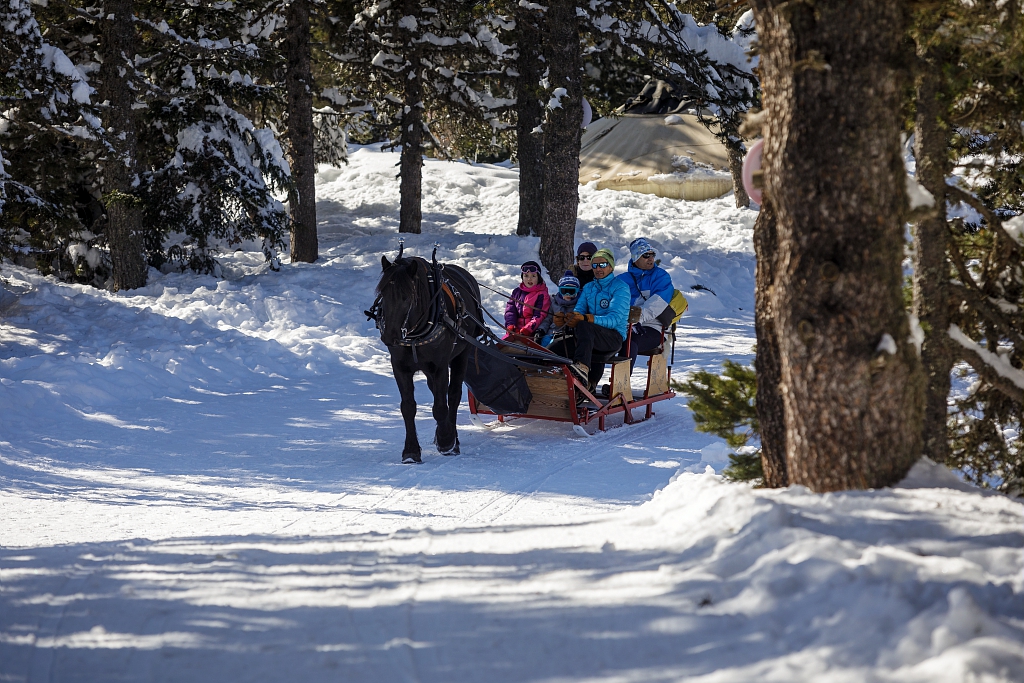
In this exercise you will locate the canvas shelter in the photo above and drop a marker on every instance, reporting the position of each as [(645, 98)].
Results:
[(655, 144)]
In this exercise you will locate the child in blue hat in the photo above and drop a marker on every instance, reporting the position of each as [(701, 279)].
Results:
[(564, 301)]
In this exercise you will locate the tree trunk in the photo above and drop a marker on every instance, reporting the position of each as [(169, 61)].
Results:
[(124, 211), (299, 86), (529, 115), (411, 160), (931, 268), (767, 363), (561, 138), (852, 383), (736, 169)]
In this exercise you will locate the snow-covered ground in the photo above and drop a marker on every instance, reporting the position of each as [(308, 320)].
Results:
[(200, 481)]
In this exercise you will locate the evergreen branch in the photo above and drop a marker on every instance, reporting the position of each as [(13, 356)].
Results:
[(987, 372), (980, 304), (979, 206)]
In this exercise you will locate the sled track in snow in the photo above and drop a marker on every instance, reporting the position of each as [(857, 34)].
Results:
[(614, 436)]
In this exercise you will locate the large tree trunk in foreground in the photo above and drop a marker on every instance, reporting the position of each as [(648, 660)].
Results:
[(851, 380), (562, 138), (299, 86), (120, 171), (411, 161), (529, 115), (931, 268), (770, 409)]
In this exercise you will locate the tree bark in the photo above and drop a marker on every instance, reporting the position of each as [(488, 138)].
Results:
[(770, 409), (835, 177), (736, 169), (529, 115), (561, 138), (931, 267), (411, 160), (124, 210), (299, 87)]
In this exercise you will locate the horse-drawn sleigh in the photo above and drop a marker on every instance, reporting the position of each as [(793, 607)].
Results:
[(430, 317)]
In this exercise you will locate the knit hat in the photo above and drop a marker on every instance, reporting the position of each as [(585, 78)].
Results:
[(639, 247), (586, 248), (606, 254), (569, 280)]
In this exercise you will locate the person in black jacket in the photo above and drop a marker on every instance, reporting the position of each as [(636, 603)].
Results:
[(582, 270)]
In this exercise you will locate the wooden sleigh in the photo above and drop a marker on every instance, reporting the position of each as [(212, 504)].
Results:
[(559, 395)]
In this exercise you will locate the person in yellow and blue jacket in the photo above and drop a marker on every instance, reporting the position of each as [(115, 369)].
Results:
[(650, 290)]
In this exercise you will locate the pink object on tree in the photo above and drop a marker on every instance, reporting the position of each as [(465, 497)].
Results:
[(751, 163)]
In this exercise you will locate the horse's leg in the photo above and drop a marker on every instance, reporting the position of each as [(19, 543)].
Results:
[(444, 435), (456, 376), (411, 451)]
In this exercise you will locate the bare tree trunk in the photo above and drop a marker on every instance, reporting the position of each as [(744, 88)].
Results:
[(931, 267), (120, 171), (736, 169), (529, 115), (299, 86), (561, 137), (852, 383), (770, 409), (411, 160)]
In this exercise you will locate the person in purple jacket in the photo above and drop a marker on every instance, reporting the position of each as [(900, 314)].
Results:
[(529, 303)]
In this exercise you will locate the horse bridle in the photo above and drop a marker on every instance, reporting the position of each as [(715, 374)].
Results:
[(434, 320)]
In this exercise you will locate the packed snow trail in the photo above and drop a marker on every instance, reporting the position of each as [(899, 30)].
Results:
[(200, 480)]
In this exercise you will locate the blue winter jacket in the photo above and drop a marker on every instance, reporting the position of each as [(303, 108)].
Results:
[(649, 289), (608, 301)]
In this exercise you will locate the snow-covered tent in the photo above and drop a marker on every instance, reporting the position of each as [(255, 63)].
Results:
[(656, 145)]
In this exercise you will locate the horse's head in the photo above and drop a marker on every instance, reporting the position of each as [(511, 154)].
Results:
[(402, 290)]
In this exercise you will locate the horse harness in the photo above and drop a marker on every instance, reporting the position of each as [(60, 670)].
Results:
[(431, 325)]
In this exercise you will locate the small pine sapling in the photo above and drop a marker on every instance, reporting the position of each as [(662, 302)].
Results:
[(724, 405)]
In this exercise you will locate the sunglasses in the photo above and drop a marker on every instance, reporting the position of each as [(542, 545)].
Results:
[(649, 254), (602, 264), (583, 257), (530, 269), (567, 291)]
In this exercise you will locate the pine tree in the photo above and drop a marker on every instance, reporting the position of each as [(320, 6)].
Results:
[(299, 86), (413, 59), (563, 116), (851, 380), (207, 173), (967, 281), (725, 405), (46, 112)]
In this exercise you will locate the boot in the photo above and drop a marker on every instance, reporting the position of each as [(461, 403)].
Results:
[(582, 373)]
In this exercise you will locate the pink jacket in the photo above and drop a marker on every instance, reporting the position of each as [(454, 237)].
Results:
[(527, 307)]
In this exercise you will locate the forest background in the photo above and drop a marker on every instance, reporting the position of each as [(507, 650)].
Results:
[(140, 134)]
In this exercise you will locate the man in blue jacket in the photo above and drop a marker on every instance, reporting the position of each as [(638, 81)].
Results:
[(600, 319), (650, 291)]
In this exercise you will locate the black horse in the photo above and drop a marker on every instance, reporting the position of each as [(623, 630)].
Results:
[(424, 311)]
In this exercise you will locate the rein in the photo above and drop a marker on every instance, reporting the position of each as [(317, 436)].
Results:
[(439, 321), (433, 320)]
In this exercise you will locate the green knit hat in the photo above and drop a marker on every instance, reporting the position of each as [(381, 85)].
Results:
[(606, 253)]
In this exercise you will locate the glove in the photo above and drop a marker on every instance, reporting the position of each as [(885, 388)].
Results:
[(511, 329), (572, 319), (559, 319), (634, 314)]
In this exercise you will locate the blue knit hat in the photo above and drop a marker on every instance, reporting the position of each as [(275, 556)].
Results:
[(586, 248), (569, 280), (639, 247)]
